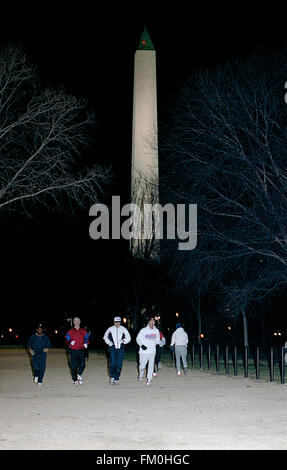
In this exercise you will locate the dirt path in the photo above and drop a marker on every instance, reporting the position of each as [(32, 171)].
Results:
[(201, 411)]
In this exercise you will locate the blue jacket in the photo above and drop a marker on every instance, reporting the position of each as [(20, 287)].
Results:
[(38, 343)]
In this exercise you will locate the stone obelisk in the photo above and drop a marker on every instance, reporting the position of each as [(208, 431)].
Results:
[(144, 177)]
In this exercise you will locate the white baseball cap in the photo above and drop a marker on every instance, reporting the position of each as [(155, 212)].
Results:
[(117, 319)]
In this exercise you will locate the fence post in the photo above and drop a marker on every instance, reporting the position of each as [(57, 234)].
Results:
[(282, 367), (257, 363), (226, 361), (271, 365), (235, 361), (200, 356), (217, 358), (208, 357), (246, 362)]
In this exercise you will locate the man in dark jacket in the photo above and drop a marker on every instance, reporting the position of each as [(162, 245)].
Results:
[(38, 346)]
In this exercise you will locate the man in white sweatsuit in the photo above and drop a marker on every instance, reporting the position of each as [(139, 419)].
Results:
[(179, 341), (116, 337), (147, 340)]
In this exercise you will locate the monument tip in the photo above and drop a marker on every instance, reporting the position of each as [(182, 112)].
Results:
[(145, 41)]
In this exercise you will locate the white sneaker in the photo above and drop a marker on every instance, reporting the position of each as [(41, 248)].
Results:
[(140, 378), (39, 384), (116, 382), (80, 379), (148, 382), (36, 380), (76, 383), (178, 373), (112, 380), (154, 374)]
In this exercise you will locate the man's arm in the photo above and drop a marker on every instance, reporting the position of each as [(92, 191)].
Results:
[(106, 338), (127, 336)]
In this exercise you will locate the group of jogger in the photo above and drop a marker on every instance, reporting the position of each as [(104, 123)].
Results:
[(149, 339)]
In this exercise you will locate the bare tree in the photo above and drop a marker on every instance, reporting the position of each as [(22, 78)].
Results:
[(44, 137), (227, 152), (144, 194), (230, 143), (251, 284)]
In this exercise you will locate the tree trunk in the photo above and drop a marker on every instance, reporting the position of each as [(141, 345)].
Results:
[(199, 318), (263, 312), (245, 327)]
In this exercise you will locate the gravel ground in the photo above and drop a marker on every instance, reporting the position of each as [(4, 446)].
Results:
[(202, 411)]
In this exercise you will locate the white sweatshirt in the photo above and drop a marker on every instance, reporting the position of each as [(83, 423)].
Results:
[(179, 338), (148, 337), (117, 336)]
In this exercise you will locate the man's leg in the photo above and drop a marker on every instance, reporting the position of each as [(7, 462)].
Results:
[(142, 364), (113, 364), (74, 363), (42, 367), (119, 362), (150, 369), (177, 358), (184, 356), (81, 362), (36, 365)]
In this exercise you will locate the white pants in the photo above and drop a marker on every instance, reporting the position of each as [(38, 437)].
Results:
[(144, 359)]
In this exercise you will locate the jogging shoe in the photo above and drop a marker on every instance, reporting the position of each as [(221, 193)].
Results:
[(148, 382), (116, 382), (35, 380), (80, 379), (178, 373), (154, 374), (76, 383), (112, 380)]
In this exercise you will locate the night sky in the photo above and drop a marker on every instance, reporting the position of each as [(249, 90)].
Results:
[(50, 266)]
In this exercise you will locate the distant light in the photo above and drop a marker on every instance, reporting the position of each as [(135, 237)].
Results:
[(10, 330), (143, 42), (16, 336), (124, 320), (229, 327), (56, 331), (2, 336), (275, 334), (201, 335), (177, 314)]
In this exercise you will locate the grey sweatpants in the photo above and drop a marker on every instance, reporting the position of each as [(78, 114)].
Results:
[(180, 352)]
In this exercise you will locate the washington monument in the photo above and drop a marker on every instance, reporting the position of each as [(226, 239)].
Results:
[(144, 175)]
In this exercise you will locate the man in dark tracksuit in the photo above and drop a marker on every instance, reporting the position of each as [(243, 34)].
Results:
[(38, 345)]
